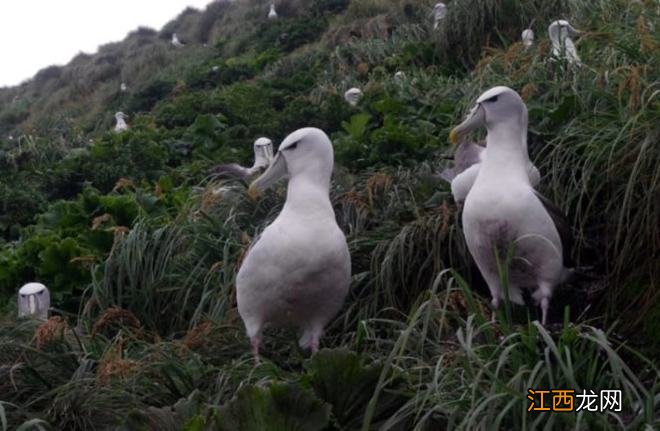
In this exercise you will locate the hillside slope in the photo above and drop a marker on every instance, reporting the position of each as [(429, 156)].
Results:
[(141, 255)]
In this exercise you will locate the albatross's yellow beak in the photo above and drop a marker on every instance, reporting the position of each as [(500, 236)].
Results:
[(475, 119), (253, 193), (454, 136), (275, 171)]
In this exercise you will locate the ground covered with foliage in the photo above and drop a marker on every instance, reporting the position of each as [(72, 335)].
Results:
[(141, 255)]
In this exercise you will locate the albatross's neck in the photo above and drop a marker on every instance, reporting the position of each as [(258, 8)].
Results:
[(308, 195), (507, 156)]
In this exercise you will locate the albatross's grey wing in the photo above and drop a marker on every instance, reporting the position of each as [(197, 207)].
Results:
[(466, 155), (563, 228), (231, 170)]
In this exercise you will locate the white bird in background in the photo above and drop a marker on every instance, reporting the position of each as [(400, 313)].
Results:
[(527, 38), (175, 41), (121, 122), (263, 155), (272, 14), (298, 270), (560, 33), (468, 159), (215, 68), (503, 212), (439, 13), (11, 137), (123, 87), (33, 301), (399, 77), (353, 96)]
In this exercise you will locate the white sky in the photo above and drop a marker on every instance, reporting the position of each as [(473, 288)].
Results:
[(38, 33)]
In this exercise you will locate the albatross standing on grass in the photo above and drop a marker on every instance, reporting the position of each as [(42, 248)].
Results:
[(263, 155), (439, 13), (298, 270), (272, 14), (502, 210), (527, 38), (121, 122), (33, 301), (560, 33), (175, 41)]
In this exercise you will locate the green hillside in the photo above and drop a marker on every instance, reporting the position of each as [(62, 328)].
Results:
[(140, 254)]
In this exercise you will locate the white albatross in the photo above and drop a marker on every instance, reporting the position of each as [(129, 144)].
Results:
[(353, 96), (298, 271), (503, 212), (439, 13), (33, 301), (527, 37), (272, 13), (121, 122), (263, 155), (175, 41), (560, 33)]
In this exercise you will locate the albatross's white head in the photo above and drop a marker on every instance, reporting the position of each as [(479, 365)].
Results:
[(33, 301), (560, 30), (353, 96), (263, 152), (497, 106), (306, 153)]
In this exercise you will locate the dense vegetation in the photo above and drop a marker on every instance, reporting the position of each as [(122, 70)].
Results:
[(140, 254)]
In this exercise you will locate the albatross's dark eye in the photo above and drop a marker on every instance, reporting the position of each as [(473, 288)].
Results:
[(492, 99), (292, 146), (41, 292)]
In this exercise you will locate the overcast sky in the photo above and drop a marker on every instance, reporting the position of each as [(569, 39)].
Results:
[(38, 33)]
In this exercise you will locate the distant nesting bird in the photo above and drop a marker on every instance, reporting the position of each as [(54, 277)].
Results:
[(527, 38), (399, 77), (439, 12), (123, 87), (503, 212), (560, 33), (121, 123), (272, 14), (33, 301), (353, 96), (468, 160), (175, 41), (263, 155), (215, 68), (10, 137), (298, 270)]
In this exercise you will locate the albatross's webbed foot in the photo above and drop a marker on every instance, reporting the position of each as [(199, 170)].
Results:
[(545, 304), (310, 339), (495, 302), (254, 342)]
